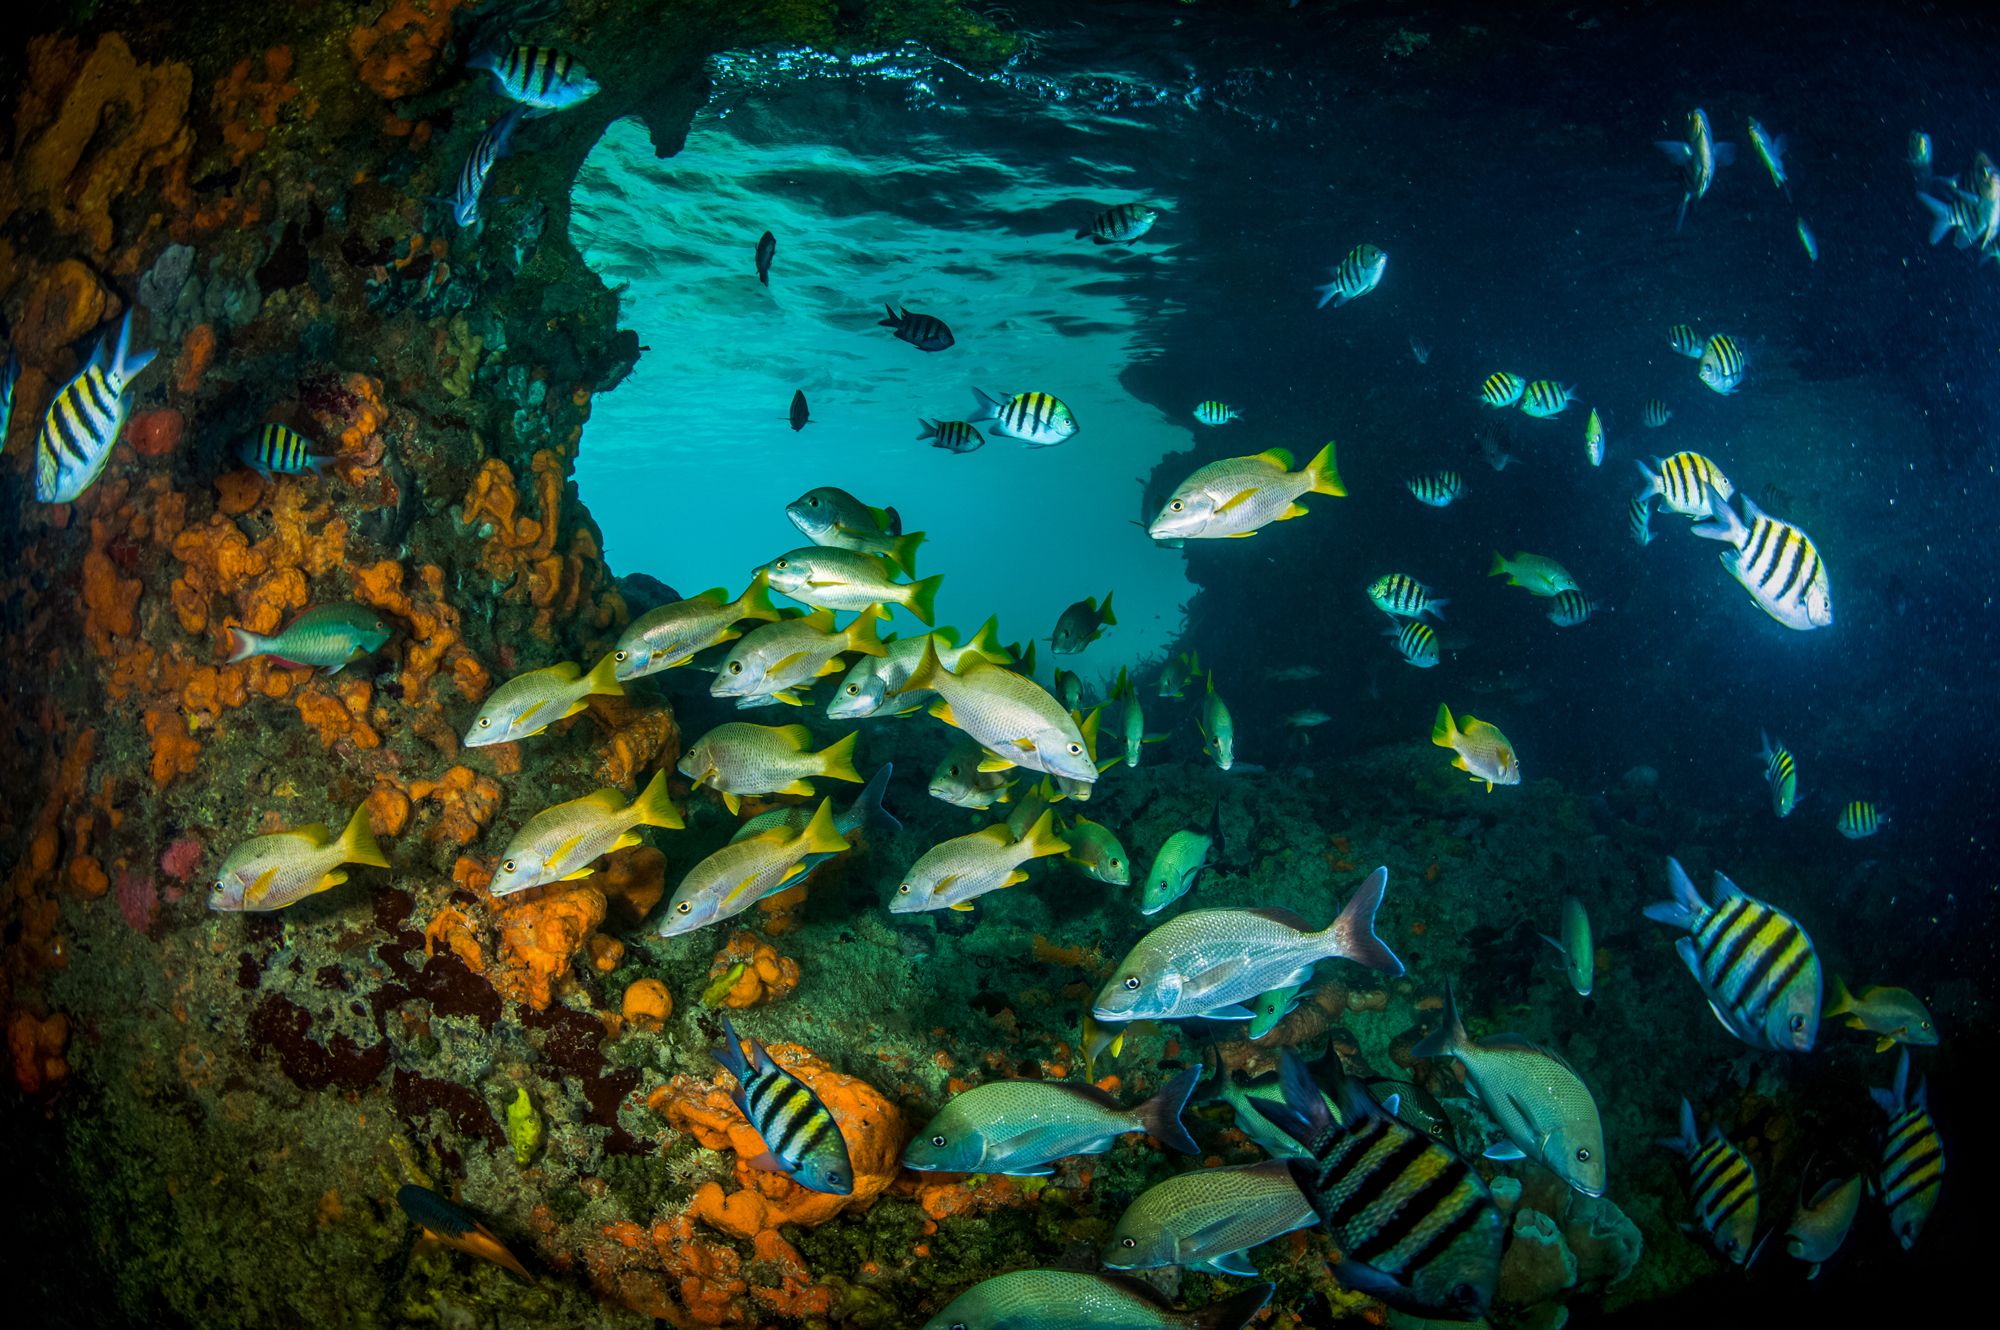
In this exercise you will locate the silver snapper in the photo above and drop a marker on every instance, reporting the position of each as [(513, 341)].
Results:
[(1209, 1219)]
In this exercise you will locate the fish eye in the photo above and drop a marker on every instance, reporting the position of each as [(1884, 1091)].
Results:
[(486, 722), (782, 564), (685, 907), (1116, 862), (621, 656), (836, 1176), (854, 690), (1132, 983), (1129, 1242), (1923, 1025), (1798, 1023), (736, 667), (938, 1141), (953, 770), (1177, 506), (958, 1325), (507, 867), (812, 501), (903, 890), (1464, 1295), (219, 885), (1582, 1154), (1075, 749)]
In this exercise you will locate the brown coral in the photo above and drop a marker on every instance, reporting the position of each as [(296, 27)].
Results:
[(37, 1043), (397, 55), (248, 101), (647, 1004)]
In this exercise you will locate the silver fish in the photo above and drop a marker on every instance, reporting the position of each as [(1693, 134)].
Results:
[(1062, 1300), (1209, 1219)]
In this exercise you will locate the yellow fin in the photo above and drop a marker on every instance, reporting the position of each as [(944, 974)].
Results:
[(1321, 475), (836, 760), (1278, 457), (626, 841), (942, 710), (333, 878), (1015, 878), (784, 665), (1293, 510), (260, 888), (962, 906), (580, 873), (357, 841), (994, 762), (821, 836), (731, 802), (1884, 1043), (655, 807), (799, 786)]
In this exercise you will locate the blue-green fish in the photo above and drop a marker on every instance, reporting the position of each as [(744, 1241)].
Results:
[(1401, 596), (1095, 849), (1416, 641), (1819, 1226), (1861, 819), (1685, 341), (1579, 953), (538, 76), (1021, 1128), (1502, 389), (326, 638), (1411, 1222), (10, 374), (1538, 1100), (84, 419), (1438, 489), (1120, 224), (1755, 965), (802, 1139), (1809, 241), (1270, 1008), (1781, 773), (1722, 1184), (1211, 962), (1358, 274), (1218, 728), (1216, 413), (1639, 518), (1081, 624), (1062, 1300), (1209, 1219), (280, 450), (1131, 717), (1771, 152), (1177, 865), (1893, 1015), (1912, 1168)]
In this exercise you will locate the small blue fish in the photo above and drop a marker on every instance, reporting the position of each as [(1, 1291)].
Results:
[(800, 1136), (84, 419), (492, 146), (538, 76), (279, 450), (1807, 239)]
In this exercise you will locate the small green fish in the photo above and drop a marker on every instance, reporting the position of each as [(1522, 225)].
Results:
[(529, 703), (959, 781), (327, 638), (1131, 717), (1021, 1128), (1218, 728), (272, 871), (1177, 865), (562, 843), (1095, 849), (1537, 574), (1860, 820), (1593, 438), (737, 758), (1062, 1300), (524, 1127), (1575, 946), (1081, 624), (1893, 1015), (1271, 1008)]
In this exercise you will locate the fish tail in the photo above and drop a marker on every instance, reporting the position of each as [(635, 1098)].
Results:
[(655, 807), (1354, 931), (1897, 1097), (729, 1055), (1436, 608), (1450, 1035), (1104, 614), (929, 428), (903, 552), (1042, 839), (988, 408), (755, 602), (357, 841), (244, 644), (1083, 234), (894, 320), (603, 677), (1687, 906), (837, 759), (1843, 999), (821, 836), (869, 802), (125, 363), (1681, 217), (1443, 732), (1499, 565), (1233, 1312), (1160, 1116), (864, 634), (986, 642), (1940, 216), (922, 600), (1690, 1138), (1322, 476)]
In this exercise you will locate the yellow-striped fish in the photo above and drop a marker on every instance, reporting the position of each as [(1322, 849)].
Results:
[(781, 660), (745, 871), (1912, 1168), (836, 579), (565, 842), (737, 758), (1655, 413), (1860, 820), (1358, 274), (1416, 641), (800, 1135), (1781, 772), (1777, 563), (272, 871), (1684, 483), (1685, 341), (1722, 364), (84, 419), (1401, 596), (1502, 389), (537, 76), (1036, 419), (1545, 397), (1755, 965), (1239, 496), (280, 450), (1723, 1186)]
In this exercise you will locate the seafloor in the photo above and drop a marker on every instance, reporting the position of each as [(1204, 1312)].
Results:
[(211, 1113)]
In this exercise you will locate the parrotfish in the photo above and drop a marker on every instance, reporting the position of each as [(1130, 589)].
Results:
[(327, 638), (1021, 1128)]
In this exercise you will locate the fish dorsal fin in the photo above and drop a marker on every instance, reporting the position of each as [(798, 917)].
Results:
[(715, 595), (1278, 457), (1278, 914), (605, 800), (997, 834)]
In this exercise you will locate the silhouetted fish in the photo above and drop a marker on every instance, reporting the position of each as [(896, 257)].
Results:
[(455, 1227), (926, 332), (767, 249), (801, 417)]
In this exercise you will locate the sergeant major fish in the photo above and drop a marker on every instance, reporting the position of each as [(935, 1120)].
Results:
[(1401, 596), (1209, 1219), (800, 414), (747, 870), (802, 1139), (280, 450), (1656, 413), (1911, 1171), (562, 843), (671, 635), (1538, 1100), (1120, 225), (486, 152), (1685, 341), (1081, 624), (538, 76), (1545, 398), (926, 332), (1357, 274), (529, 703), (1020, 1128), (1777, 563), (1216, 413), (1755, 964), (1036, 419), (1639, 519), (1722, 364), (1781, 773), (1569, 608), (1697, 158), (272, 871), (85, 417), (1723, 1188), (1860, 820), (1416, 641), (957, 436), (1438, 489), (1684, 483), (1211, 962), (1239, 496), (1479, 749), (326, 637), (1502, 389)]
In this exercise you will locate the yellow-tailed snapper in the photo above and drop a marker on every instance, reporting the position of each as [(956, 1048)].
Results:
[(1893, 1015)]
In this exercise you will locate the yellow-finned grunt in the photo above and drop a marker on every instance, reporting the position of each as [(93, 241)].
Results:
[(272, 871), (1012, 716), (1893, 1015), (565, 842), (1239, 496), (951, 875), (1537, 574), (1697, 158), (839, 579), (745, 871), (529, 703), (781, 660), (1481, 751), (673, 634), (832, 517), (737, 758)]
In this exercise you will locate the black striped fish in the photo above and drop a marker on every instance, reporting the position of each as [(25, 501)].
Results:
[(1502, 389), (1639, 517), (538, 76), (804, 1141), (1403, 597), (1722, 364), (1685, 341), (956, 435), (492, 146), (1358, 274), (1216, 413), (1860, 820), (85, 417), (1685, 483), (1912, 1168), (1417, 642), (926, 332), (1781, 772), (1571, 607), (1723, 1186), (279, 450), (1777, 563), (1962, 213), (1036, 419), (1411, 1222), (1120, 225), (1655, 413), (1545, 397), (1437, 489), (1755, 965)]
